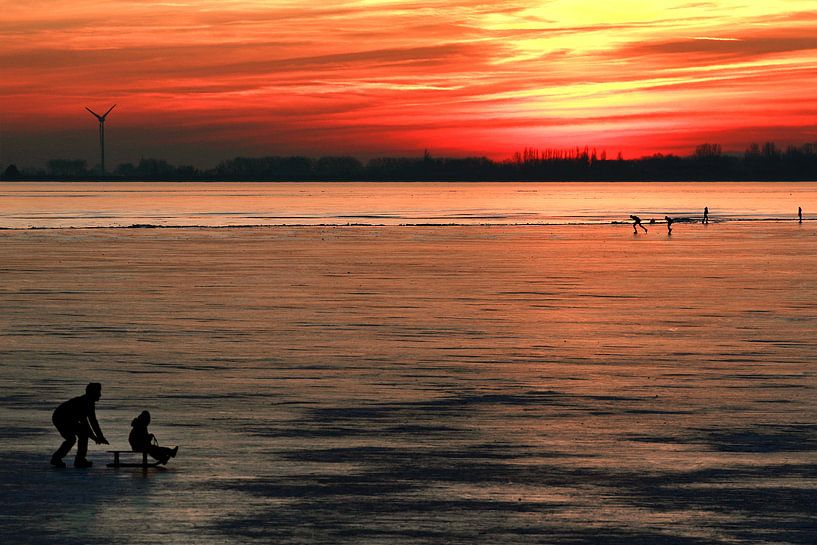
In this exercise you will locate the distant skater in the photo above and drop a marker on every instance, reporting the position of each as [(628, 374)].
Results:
[(142, 441), (76, 421), (669, 224), (637, 223), (706, 214), (800, 214)]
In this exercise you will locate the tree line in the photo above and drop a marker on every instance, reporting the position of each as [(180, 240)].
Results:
[(708, 162)]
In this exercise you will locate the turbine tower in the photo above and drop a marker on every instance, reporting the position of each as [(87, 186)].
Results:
[(101, 119)]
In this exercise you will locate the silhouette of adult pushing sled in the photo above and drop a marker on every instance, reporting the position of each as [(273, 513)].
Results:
[(76, 421)]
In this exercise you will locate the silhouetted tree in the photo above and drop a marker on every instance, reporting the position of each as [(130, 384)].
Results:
[(71, 168), (708, 151), (125, 170), (11, 172), (344, 168), (155, 168), (186, 172)]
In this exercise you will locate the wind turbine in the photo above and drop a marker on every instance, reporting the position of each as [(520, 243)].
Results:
[(101, 119)]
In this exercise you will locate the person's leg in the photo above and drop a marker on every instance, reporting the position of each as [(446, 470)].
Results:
[(69, 438), (66, 446), (82, 444), (162, 454)]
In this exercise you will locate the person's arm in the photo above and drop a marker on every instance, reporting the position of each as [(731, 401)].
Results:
[(96, 434)]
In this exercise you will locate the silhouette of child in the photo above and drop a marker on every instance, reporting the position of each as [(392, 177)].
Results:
[(669, 224), (706, 214), (637, 223), (800, 213), (142, 441)]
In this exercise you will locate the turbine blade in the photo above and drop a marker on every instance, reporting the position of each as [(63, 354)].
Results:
[(109, 111), (94, 113)]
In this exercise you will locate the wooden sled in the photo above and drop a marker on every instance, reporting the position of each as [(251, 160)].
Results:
[(144, 465)]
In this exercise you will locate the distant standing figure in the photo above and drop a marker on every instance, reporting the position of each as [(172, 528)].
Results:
[(637, 223), (142, 441), (76, 421), (800, 214), (706, 214), (669, 224)]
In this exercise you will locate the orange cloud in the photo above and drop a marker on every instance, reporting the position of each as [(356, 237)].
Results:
[(199, 80)]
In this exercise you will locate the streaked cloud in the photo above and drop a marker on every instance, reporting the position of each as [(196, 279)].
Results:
[(207, 78)]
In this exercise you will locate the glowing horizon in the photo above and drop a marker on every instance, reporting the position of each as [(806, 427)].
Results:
[(199, 81)]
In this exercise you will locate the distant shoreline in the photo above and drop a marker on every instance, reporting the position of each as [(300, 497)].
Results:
[(758, 163)]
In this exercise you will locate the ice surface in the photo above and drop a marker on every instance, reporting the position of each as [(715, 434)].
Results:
[(561, 384)]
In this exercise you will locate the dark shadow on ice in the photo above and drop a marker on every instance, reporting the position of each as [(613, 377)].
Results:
[(450, 482), (404, 493), (447, 417), (43, 505), (765, 438)]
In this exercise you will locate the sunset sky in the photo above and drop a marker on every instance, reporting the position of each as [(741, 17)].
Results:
[(202, 80)]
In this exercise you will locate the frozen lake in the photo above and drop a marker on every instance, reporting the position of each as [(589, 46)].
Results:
[(408, 384)]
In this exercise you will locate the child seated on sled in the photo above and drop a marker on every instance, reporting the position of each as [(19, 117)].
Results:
[(142, 441)]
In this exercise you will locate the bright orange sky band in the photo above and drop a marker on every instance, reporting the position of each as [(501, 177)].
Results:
[(198, 81)]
